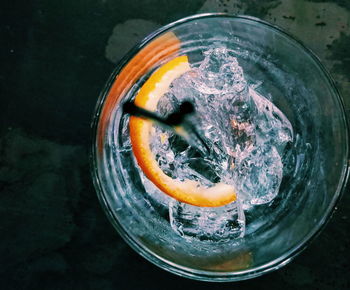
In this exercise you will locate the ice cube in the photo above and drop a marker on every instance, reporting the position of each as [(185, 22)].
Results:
[(213, 224), (258, 175), (219, 73)]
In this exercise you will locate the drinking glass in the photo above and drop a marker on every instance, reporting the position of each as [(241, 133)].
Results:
[(315, 163)]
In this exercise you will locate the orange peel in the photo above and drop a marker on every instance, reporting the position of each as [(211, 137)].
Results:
[(187, 191)]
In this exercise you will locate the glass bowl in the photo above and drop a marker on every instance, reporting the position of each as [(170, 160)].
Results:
[(315, 164)]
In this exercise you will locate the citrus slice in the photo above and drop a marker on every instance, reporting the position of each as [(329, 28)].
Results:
[(242, 261), (187, 191)]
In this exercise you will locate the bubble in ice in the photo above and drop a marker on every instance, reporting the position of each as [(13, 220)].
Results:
[(246, 134)]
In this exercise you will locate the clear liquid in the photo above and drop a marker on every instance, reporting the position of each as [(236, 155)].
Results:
[(247, 136)]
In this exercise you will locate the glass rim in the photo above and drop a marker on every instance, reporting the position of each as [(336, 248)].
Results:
[(204, 275)]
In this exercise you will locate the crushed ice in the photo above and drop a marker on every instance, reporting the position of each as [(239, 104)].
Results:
[(247, 135)]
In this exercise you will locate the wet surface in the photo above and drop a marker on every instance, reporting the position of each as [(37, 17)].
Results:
[(55, 57)]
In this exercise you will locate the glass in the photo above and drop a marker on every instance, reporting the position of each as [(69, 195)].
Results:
[(315, 167)]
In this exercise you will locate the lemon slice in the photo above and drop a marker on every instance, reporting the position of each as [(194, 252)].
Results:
[(187, 191)]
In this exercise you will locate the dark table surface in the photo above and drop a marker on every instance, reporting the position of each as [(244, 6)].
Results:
[(55, 57)]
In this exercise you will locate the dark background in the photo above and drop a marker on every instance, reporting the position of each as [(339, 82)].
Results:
[(55, 57)]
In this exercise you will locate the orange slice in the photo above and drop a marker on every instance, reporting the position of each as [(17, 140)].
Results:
[(187, 191), (242, 261)]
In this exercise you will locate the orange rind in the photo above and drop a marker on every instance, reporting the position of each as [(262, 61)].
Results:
[(187, 191)]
